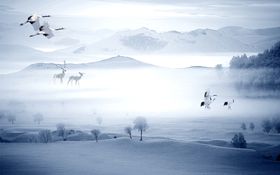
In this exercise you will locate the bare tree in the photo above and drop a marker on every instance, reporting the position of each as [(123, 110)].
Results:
[(95, 133), (45, 136), (128, 131), (252, 126), (140, 123), (38, 118), (11, 118)]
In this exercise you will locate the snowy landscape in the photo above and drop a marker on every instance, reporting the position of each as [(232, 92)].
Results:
[(139, 96)]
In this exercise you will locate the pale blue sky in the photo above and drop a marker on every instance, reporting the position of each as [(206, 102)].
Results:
[(161, 15)]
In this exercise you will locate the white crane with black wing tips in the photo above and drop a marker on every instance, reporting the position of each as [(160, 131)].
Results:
[(229, 103), (46, 31), (208, 99), (34, 20)]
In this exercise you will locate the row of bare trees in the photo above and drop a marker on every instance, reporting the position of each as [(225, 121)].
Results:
[(45, 136), (140, 124)]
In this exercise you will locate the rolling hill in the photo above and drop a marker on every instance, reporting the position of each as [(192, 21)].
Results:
[(113, 63)]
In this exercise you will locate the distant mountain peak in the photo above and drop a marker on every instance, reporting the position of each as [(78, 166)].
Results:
[(119, 58), (121, 62)]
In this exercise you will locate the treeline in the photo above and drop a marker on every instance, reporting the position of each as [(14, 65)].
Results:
[(268, 59), (261, 72)]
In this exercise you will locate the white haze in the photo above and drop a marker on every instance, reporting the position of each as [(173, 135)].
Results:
[(159, 15), (189, 60), (118, 94), (162, 60)]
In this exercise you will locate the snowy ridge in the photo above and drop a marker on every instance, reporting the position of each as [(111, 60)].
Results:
[(125, 156), (114, 62)]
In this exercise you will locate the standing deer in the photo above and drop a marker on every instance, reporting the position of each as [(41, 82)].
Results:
[(75, 78), (61, 75)]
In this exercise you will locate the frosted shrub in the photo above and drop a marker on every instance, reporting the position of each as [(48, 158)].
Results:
[(140, 123), (239, 141), (45, 136)]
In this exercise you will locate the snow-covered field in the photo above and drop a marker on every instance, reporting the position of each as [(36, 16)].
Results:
[(124, 156), (182, 137)]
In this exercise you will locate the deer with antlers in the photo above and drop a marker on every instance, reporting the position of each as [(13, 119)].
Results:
[(61, 75), (75, 78)]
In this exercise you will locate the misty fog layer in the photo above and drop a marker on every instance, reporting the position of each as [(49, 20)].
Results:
[(126, 93)]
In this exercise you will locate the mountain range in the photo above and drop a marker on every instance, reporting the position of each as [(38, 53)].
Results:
[(16, 46), (227, 39), (143, 40)]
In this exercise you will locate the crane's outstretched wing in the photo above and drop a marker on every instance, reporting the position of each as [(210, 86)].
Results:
[(48, 31), (36, 25)]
